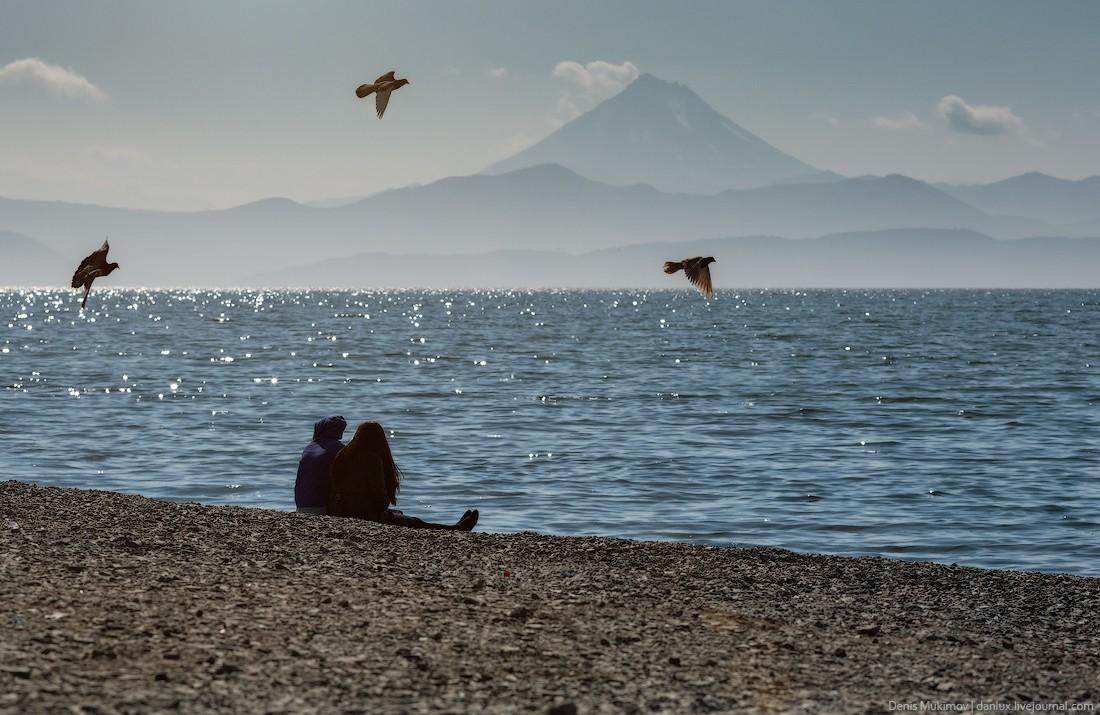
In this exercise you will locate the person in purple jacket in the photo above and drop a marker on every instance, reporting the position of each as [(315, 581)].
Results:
[(311, 485)]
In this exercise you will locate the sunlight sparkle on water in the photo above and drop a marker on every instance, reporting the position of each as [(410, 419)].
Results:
[(594, 398)]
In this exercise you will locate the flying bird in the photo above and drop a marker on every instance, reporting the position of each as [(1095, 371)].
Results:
[(697, 271), (381, 89), (92, 267)]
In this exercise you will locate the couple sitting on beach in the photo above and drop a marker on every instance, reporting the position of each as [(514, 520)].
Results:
[(358, 480)]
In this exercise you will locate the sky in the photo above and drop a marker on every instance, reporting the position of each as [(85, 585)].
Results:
[(198, 105)]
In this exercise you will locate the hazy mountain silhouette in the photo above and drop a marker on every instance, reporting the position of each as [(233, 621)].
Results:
[(918, 258), (1057, 201), (530, 209), (28, 262), (551, 206), (662, 134), (1085, 228), (333, 203)]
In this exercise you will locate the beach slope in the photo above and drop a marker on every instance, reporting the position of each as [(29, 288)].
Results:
[(118, 603)]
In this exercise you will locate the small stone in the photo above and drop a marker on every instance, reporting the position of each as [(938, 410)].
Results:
[(161, 677), (563, 709), (870, 629), (17, 672), (673, 660)]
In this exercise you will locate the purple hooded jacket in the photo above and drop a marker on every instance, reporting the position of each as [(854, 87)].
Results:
[(311, 486)]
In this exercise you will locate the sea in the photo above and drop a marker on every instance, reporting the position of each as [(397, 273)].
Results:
[(957, 426)]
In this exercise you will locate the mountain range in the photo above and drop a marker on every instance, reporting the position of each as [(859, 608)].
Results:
[(900, 258), (558, 207), (1038, 196), (29, 262), (529, 209)]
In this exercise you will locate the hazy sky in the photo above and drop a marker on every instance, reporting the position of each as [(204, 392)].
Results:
[(210, 104)]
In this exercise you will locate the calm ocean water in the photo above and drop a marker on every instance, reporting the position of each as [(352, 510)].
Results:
[(956, 426)]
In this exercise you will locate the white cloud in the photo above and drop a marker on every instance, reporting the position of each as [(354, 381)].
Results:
[(498, 72), (822, 115), (908, 120), (978, 118), (59, 80), (598, 76), (515, 144), (567, 109), (588, 84)]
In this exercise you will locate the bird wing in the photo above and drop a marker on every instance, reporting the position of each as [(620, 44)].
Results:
[(699, 275), (381, 99), (363, 90), (388, 77), (96, 259)]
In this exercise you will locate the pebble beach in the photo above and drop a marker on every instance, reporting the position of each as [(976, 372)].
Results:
[(117, 603)]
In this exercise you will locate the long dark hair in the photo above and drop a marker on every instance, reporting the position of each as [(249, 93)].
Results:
[(371, 438)]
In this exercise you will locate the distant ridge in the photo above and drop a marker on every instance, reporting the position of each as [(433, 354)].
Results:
[(1039, 196), (662, 134), (536, 208), (908, 258), (27, 262)]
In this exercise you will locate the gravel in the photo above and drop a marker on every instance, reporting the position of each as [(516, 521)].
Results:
[(117, 603)]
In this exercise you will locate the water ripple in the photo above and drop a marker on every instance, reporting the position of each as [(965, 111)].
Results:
[(955, 426)]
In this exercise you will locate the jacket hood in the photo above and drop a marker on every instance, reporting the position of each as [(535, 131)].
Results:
[(329, 428)]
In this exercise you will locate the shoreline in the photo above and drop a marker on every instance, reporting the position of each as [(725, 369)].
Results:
[(122, 603)]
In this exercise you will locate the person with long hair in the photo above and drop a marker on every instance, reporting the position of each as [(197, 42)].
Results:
[(364, 481)]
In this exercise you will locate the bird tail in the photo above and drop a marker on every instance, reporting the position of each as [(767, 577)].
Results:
[(364, 90), (673, 266)]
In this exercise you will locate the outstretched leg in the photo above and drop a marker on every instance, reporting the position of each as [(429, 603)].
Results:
[(466, 523)]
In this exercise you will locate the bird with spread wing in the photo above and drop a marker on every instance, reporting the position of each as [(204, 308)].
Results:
[(697, 271), (92, 267), (381, 89)]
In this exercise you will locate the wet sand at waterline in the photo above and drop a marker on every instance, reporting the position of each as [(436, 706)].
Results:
[(120, 603)]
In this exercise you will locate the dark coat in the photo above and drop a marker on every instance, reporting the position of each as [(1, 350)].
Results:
[(312, 484)]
